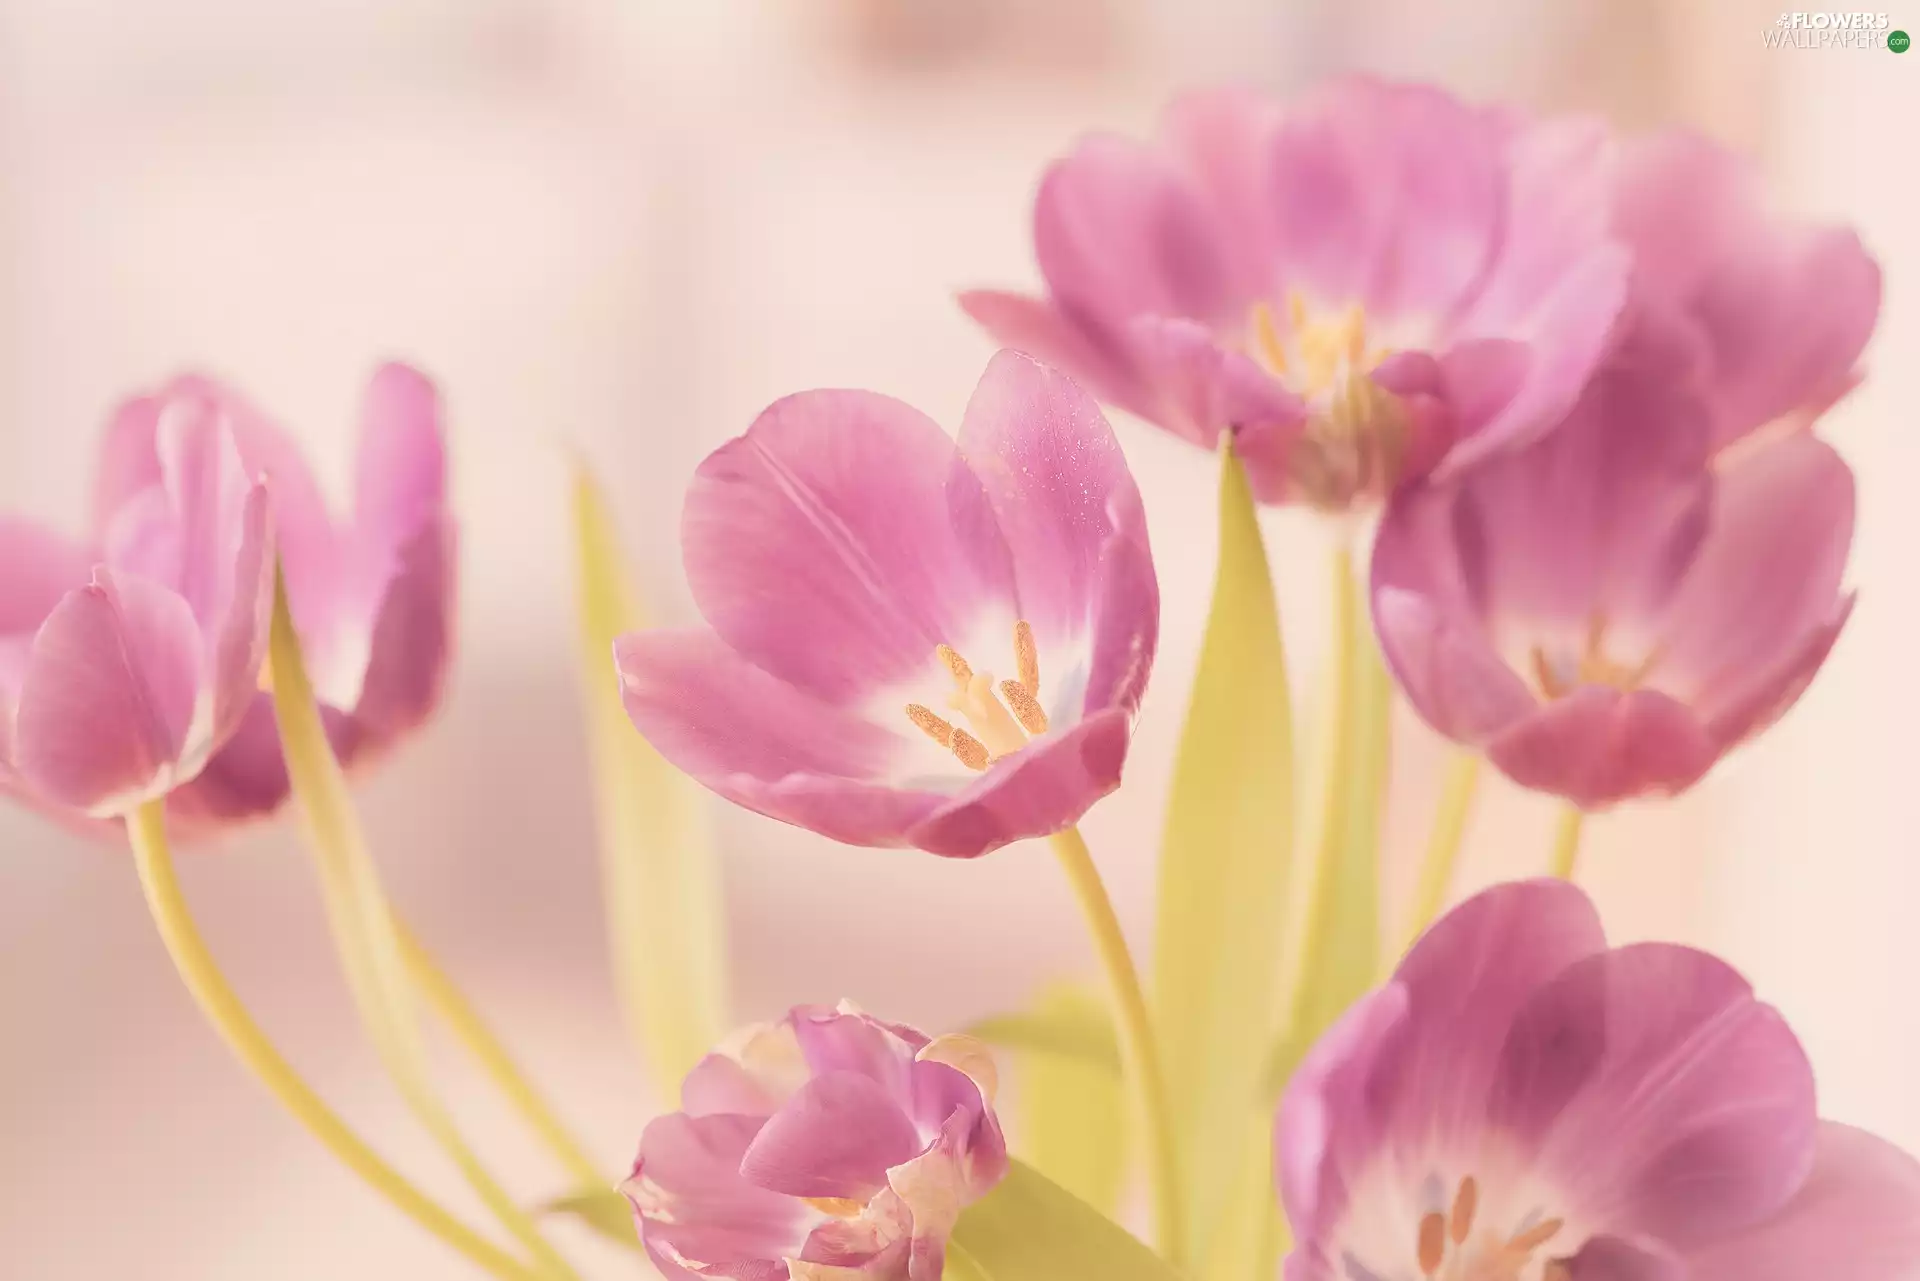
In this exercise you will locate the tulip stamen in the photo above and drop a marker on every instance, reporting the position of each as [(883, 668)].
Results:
[(839, 1207), (1556, 677), (1357, 432), (1003, 716)]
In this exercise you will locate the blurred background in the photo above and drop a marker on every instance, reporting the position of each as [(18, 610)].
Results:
[(622, 227)]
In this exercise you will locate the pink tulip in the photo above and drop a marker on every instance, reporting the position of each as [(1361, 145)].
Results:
[(1609, 611), (1370, 284), (1778, 311), (131, 661), (910, 642), (1522, 1102), (824, 1147)]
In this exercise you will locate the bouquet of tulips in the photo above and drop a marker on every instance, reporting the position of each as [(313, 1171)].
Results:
[(1556, 395)]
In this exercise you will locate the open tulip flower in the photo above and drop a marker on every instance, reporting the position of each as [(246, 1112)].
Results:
[(130, 656), (825, 1147), (1363, 286), (1522, 1102), (863, 576), (1609, 611), (1778, 311)]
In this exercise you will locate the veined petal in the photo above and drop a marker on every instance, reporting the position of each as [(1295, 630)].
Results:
[(1223, 139), (400, 475), (1326, 1130), (837, 543), (1767, 575), (1465, 980), (763, 743), (836, 1137), (1658, 1095), (37, 567), (1044, 330), (1064, 501), (1600, 745), (1119, 231), (111, 693), (698, 1215), (1388, 194), (1786, 309), (1857, 1216), (1042, 789), (1618, 1258)]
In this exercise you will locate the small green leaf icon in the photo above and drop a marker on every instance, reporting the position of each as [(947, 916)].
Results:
[(1898, 41)]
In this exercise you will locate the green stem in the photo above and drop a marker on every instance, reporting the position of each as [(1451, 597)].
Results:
[(1139, 1052), (1566, 841), (1443, 846), (147, 833), (364, 931)]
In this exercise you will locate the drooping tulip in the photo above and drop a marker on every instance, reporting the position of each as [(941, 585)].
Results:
[(827, 1146), (1522, 1102), (129, 658), (196, 493), (1363, 286), (863, 576), (1609, 611)]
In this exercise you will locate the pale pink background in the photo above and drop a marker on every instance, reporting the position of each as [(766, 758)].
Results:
[(624, 226)]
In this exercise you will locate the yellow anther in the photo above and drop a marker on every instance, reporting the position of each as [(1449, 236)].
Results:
[(1433, 1243), (937, 729), (1026, 655), (971, 751), (1465, 1201), (840, 1207), (1026, 708), (1269, 347), (962, 672), (1296, 309), (1536, 1236)]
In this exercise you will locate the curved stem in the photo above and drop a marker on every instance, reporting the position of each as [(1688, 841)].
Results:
[(1443, 846), (446, 1000), (1139, 1052), (364, 933), (146, 832), (1566, 841)]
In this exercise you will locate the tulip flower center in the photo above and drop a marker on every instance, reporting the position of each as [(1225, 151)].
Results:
[(1357, 431), (1558, 671), (1000, 718), (1457, 1239)]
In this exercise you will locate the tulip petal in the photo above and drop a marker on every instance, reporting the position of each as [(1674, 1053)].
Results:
[(703, 1212), (1659, 1096), (1389, 194), (111, 694), (1325, 1132), (1602, 516), (1449, 671), (412, 642), (765, 744), (1044, 331), (1857, 1216), (1120, 232), (1786, 309), (1615, 1258), (1767, 576), (1204, 388), (836, 1137), (37, 568), (1466, 979), (400, 474), (1070, 514), (1599, 745), (1223, 138), (837, 543), (1042, 789)]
